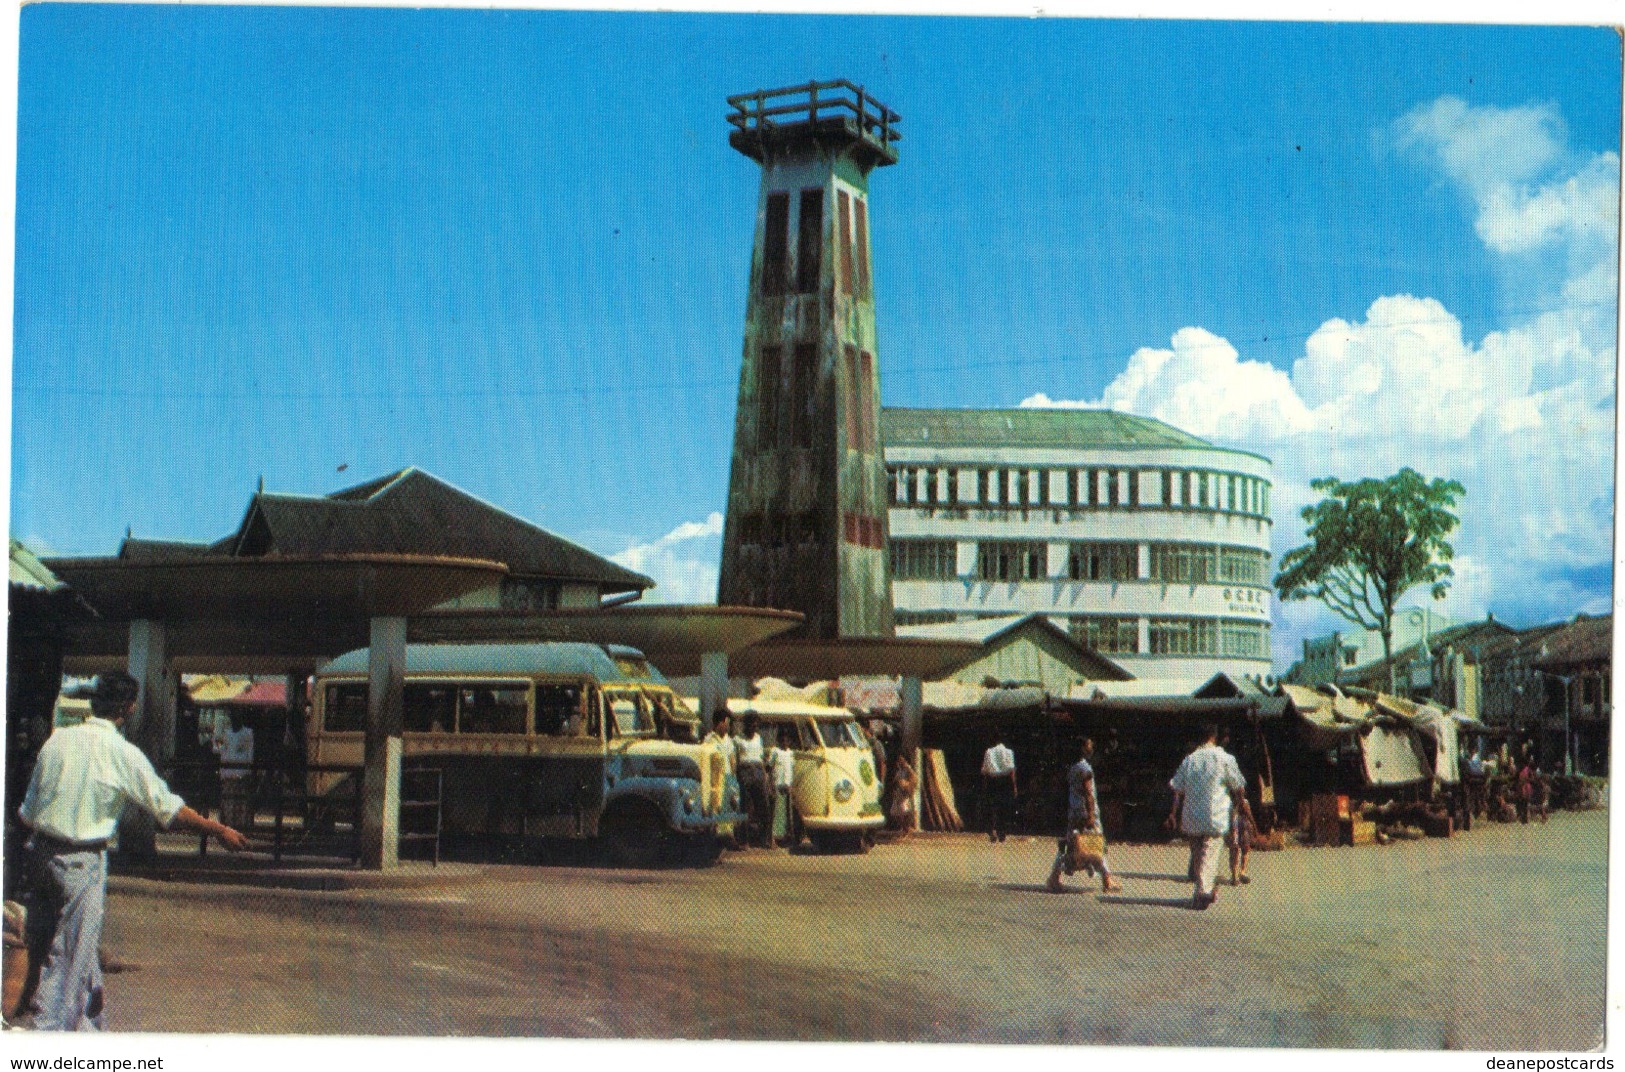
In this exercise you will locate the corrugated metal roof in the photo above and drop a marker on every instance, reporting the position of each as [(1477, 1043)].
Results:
[(27, 571), (988, 631), (1030, 428), (980, 630), (563, 658)]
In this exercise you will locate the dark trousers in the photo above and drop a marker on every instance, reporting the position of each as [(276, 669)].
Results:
[(1001, 806), (758, 800)]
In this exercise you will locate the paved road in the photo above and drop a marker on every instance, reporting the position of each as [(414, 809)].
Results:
[(1491, 940)]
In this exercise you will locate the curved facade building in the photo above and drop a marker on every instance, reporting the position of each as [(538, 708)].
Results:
[(1151, 545)]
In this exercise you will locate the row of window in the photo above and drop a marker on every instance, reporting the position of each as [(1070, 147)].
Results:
[(1191, 489), (1028, 560), (851, 238), (1174, 636), (457, 708)]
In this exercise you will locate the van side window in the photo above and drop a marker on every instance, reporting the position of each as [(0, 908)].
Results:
[(558, 710), (346, 708), (429, 707), (492, 709)]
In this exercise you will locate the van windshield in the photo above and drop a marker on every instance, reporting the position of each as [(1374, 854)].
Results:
[(840, 734)]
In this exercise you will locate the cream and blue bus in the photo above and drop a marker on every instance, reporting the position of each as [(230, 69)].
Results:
[(542, 740)]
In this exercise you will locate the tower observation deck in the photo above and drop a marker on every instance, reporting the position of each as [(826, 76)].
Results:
[(837, 115), (807, 502)]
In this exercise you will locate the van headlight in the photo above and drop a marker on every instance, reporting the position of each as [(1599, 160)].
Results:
[(843, 791)]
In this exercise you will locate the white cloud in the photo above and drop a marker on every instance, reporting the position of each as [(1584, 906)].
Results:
[(1484, 147), (683, 562), (1516, 166), (1524, 417), (1516, 219)]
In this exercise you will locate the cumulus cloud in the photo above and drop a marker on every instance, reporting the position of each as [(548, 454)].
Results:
[(683, 562), (1523, 417), (1516, 165)]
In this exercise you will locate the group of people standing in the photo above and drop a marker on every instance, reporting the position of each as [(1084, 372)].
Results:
[(765, 767), (1210, 811)]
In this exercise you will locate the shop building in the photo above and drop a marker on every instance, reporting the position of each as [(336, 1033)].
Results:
[(1150, 545)]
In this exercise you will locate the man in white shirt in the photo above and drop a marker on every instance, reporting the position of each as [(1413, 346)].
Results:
[(749, 765), (781, 762), (722, 757), (234, 741), (999, 788), (84, 777), (1206, 787)]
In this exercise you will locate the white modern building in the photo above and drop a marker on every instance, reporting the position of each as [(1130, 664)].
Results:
[(1151, 545)]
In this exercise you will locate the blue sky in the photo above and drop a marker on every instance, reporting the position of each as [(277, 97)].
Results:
[(511, 248)]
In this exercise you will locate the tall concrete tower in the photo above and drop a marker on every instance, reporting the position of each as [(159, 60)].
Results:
[(807, 502)]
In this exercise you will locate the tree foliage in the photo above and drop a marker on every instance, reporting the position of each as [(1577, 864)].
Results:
[(1370, 542)]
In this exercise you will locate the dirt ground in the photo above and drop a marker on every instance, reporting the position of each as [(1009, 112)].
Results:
[(1492, 940)]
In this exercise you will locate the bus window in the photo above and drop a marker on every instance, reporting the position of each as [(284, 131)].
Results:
[(558, 710), (492, 709), (346, 708), (429, 708), (631, 713)]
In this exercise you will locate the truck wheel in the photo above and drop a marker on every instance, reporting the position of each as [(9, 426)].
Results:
[(634, 836)]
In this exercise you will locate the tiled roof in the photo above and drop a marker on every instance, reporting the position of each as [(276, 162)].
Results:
[(1030, 428), (411, 513), (1466, 635), (1585, 640)]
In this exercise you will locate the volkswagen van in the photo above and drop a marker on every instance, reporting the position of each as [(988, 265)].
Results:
[(562, 740), (835, 796)]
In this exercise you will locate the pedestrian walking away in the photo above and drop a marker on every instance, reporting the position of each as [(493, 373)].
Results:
[(1242, 827), (999, 788), (1085, 842), (1206, 788), (85, 776)]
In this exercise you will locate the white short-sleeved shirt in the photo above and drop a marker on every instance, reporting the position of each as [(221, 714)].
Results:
[(998, 761), (235, 746), (1206, 778), (782, 762), (748, 749), (724, 744), (84, 777)]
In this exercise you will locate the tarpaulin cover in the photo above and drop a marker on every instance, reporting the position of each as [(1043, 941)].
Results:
[(1437, 725), (1392, 755), (1325, 721), (951, 697)]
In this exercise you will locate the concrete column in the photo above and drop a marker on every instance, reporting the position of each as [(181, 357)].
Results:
[(713, 685), (381, 778), (965, 558), (1145, 636), (1143, 569), (1057, 556), (909, 692), (150, 727)]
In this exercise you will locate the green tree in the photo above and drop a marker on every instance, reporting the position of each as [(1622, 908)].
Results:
[(1370, 542)]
